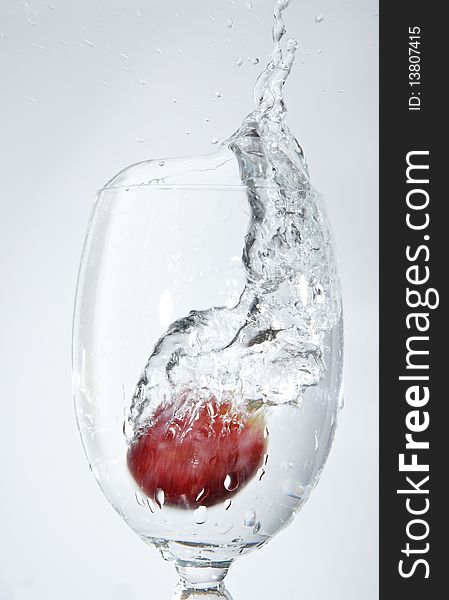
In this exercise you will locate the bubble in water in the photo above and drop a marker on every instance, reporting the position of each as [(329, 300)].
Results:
[(249, 518), (224, 528), (143, 81), (319, 18), (161, 163), (249, 5), (257, 527), (141, 140), (160, 497), (316, 441), (293, 489), (230, 23), (255, 61), (238, 62), (89, 43), (214, 140), (231, 482), (187, 132), (227, 504), (200, 515), (218, 95)]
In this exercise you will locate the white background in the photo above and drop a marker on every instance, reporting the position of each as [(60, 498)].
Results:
[(73, 112)]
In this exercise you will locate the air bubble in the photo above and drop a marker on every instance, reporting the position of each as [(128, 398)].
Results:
[(319, 19), (160, 497), (230, 23), (257, 527), (200, 515), (227, 504), (249, 518), (214, 141), (292, 489), (231, 482), (238, 62)]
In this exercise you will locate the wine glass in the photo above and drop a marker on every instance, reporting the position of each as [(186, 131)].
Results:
[(205, 422)]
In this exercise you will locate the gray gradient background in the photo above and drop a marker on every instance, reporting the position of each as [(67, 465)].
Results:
[(70, 119)]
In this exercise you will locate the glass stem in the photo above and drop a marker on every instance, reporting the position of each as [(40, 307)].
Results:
[(202, 582)]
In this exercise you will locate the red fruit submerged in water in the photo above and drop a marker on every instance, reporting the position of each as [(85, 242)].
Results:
[(198, 459)]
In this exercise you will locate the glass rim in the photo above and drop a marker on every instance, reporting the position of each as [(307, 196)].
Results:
[(194, 186)]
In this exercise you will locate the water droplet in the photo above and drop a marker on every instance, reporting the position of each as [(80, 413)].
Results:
[(341, 91), (262, 473), (188, 132), (180, 51), (158, 50), (325, 89), (89, 43), (160, 497), (106, 83), (143, 81), (230, 23), (249, 5), (218, 95), (141, 140), (214, 140), (207, 120), (175, 100), (231, 482), (227, 504), (126, 69), (38, 46), (320, 51), (316, 441), (124, 56), (249, 518), (161, 163), (33, 100), (319, 18), (238, 62), (138, 13), (200, 515)]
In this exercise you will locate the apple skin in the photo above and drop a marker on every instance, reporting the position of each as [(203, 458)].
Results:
[(201, 458)]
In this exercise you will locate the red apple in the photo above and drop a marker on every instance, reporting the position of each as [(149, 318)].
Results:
[(200, 458)]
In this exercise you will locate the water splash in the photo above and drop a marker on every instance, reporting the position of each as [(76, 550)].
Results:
[(267, 349)]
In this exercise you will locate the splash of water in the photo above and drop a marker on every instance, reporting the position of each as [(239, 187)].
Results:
[(268, 349)]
